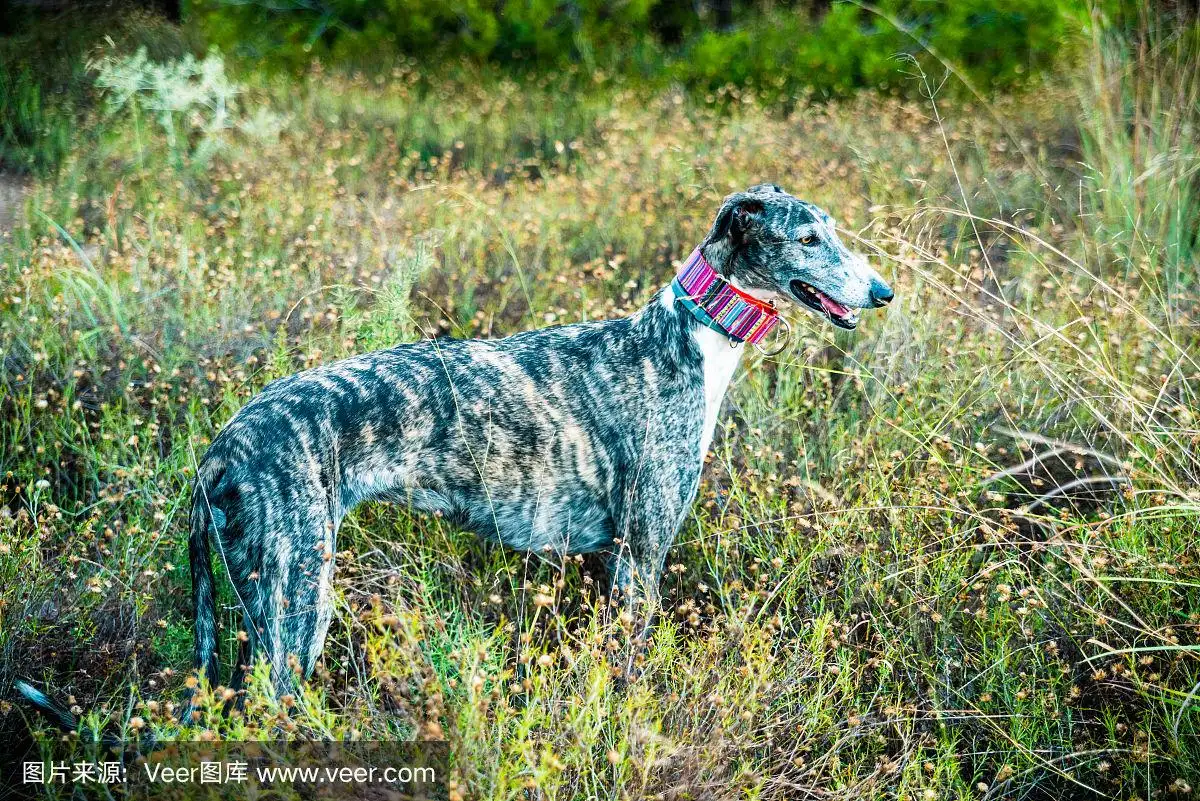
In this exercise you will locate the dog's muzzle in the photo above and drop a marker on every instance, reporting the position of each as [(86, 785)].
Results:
[(818, 301)]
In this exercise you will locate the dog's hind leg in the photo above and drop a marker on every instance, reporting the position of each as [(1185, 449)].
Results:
[(312, 600), (293, 599)]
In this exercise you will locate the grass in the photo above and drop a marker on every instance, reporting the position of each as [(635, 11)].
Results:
[(884, 591)]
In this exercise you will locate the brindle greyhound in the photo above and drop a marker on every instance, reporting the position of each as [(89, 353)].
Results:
[(570, 439)]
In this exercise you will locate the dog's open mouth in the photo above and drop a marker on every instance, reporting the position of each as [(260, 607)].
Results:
[(821, 303)]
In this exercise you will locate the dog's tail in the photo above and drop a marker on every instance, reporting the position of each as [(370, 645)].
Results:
[(67, 722), (57, 714), (206, 521)]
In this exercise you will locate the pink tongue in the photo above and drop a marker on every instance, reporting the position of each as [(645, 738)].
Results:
[(832, 306)]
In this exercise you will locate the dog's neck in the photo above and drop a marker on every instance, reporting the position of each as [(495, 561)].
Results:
[(720, 304), (687, 340), (722, 255)]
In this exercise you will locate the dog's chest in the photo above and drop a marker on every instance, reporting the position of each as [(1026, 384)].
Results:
[(720, 363)]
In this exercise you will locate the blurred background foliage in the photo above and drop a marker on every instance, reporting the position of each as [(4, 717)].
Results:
[(781, 51), (45, 81), (779, 47)]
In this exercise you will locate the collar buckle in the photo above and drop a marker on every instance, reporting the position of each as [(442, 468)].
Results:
[(783, 343)]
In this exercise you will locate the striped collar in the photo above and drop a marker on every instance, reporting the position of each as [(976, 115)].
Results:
[(721, 306)]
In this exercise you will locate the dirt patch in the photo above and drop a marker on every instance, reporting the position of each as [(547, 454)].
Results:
[(12, 196)]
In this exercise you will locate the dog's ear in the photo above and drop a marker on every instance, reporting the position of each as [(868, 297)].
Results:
[(740, 216)]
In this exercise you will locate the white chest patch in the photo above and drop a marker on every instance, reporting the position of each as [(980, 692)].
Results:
[(720, 363)]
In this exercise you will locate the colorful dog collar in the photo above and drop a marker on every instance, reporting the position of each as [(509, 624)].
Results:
[(721, 306)]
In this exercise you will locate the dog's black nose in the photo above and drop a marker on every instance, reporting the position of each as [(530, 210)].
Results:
[(881, 293)]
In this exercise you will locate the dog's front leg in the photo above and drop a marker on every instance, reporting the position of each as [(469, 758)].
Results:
[(633, 595), (636, 564), (633, 588)]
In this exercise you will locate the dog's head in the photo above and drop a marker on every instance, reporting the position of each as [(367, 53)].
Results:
[(770, 244)]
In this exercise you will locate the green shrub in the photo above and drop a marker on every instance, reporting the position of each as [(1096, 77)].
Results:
[(993, 43), (774, 48), (191, 100), (540, 31)]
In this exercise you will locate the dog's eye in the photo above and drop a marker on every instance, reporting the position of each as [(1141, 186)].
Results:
[(808, 240)]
